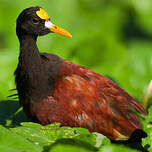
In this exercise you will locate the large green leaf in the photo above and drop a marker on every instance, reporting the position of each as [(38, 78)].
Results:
[(12, 142)]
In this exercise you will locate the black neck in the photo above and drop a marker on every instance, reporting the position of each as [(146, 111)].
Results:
[(29, 54), (29, 58), (31, 63)]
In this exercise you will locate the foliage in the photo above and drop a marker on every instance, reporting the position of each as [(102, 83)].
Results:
[(118, 44), (53, 138), (147, 142), (111, 37)]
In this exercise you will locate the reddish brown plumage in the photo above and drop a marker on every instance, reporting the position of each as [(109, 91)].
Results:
[(83, 98), (54, 90)]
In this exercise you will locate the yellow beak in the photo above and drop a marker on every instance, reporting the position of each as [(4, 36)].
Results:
[(60, 31), (56, 29)]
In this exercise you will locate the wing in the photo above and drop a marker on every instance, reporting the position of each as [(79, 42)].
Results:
[(87, 99)]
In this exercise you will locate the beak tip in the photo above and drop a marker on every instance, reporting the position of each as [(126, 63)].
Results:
[(70, 36), (61, 31)]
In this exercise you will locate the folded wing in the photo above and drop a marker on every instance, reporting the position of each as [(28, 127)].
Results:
[(92, 101)]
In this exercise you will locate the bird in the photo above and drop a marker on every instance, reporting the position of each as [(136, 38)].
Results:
[(53, 89)]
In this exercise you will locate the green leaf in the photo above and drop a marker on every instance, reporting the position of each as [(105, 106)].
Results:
[(147, 123), (12, 142), (69, 147), (51, 134), (32, 135), (116, 148)]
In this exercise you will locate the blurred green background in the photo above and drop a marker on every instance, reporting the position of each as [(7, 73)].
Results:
[(111, 37)]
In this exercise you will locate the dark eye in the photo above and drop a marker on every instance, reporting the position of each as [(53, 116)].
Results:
[(35, 21)]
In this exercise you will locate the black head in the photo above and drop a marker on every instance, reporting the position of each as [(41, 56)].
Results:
[(35, 21)]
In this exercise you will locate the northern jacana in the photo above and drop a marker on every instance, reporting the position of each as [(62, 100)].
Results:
[(52, 89)]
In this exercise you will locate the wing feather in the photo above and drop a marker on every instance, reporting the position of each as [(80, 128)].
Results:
[(95, 102)]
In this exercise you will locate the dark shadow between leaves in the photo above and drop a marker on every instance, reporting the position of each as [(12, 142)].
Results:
[(135, 141), (7, 112), (71, 142)]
